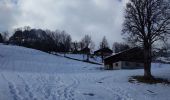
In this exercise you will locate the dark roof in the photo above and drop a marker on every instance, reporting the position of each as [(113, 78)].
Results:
[(105, 50), (85, 50), (133, 55)]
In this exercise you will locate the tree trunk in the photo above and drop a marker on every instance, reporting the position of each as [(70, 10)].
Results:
[(87, 57), (147, 60), (102, 56), (102, 59)]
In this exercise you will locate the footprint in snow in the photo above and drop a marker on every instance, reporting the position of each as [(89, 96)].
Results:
[(89, 94)]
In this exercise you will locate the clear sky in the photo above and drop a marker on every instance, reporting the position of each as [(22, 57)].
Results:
[(97, 18)]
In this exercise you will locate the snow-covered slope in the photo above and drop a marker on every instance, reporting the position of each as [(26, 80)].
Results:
[(27, 74), (29, 60)]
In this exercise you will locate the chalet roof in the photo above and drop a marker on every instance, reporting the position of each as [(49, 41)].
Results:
[(106, 50), (133, 55)]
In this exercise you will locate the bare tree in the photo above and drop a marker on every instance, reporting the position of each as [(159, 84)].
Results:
[(119, 47), (75, 47), (92, 46), (5, 36), (86, 43), (86, 40), (65, 42), (104, 43), (147, 21)]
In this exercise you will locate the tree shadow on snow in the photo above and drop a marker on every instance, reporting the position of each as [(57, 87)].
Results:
[(142, 79)]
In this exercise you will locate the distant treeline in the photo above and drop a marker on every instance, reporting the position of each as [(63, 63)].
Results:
[(55, 41), (42, 40)]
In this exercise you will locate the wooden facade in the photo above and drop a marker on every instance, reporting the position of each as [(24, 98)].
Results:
[(129, 59)]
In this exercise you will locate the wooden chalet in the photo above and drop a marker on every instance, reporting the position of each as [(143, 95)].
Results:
[(128, 59)]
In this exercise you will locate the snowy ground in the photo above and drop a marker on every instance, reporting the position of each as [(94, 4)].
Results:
[(27, 74)]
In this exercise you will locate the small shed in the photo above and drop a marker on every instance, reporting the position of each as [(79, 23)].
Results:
[(85, 50), (128, 59)]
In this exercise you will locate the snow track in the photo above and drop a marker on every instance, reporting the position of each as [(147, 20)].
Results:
[(27, 89), (48, 86), (116, 92), (59, 87), (13, 89), (68, 91)]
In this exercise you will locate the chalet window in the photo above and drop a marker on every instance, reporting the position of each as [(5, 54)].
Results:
[(107, 66), (126, 63), (137, 65), (116, 64)]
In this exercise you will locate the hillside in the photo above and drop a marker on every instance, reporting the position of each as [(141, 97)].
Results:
[(27, 74)]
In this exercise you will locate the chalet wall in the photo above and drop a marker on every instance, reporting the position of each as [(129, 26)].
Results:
[(131, 65), (117, 65), (124, 65)]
